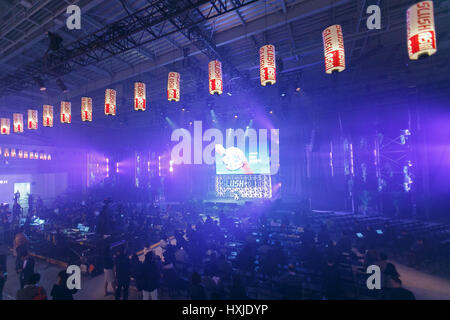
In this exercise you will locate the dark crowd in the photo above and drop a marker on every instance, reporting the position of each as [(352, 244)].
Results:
[(209, 251)]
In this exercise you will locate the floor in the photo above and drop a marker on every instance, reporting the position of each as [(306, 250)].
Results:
[(424, 286)]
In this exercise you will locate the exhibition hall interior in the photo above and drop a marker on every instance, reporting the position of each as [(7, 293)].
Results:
[(224, 150)]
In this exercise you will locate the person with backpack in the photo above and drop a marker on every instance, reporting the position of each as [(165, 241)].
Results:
[(31, 290)]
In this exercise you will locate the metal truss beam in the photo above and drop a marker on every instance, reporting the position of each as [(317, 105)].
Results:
[(137, 29)]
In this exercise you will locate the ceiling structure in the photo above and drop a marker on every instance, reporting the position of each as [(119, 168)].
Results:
[(122, 41)]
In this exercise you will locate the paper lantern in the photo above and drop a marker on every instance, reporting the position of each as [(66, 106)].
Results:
[(110, 102), (6, 152), (333, 47), (32, 119), (47, 116), (267, 65), (66, 112), (13, 153), (5, 126), (215, 77), (20, 154), (86, 109), (139, 96), (173, 86), (25, 154), (420, 30), (18, 122)]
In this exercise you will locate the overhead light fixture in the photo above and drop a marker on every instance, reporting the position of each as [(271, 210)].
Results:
[(40, 83), (61, 85)]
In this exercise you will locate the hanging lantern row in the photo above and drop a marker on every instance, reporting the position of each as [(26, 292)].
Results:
[(421, 40), (420, 30), (22, 154)]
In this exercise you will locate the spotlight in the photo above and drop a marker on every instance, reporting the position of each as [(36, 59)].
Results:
[(61, 85), (271, 112), (235, 116), (40, 83), (183, 109)]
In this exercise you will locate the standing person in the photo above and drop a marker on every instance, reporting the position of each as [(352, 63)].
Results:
[(20, 242), (3, 274), (32, 290), (60, 290), (137, 274), (122, 267), (196, 290), (151, 276), (108, 270), (25, 268), (332, 286)]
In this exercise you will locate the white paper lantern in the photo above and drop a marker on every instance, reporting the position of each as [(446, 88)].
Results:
[(18, 122), (5, 126), (86, 109), (173, 86), (333, 46), (47, 116), (66, 112), (420, 30), (215, 77), (267, 65), (110, 102), (139, 96), (32, 119)]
